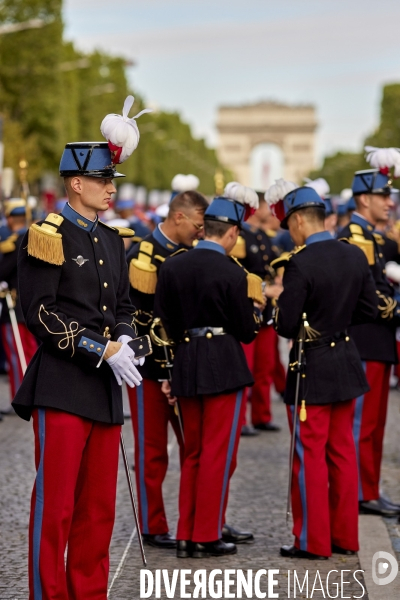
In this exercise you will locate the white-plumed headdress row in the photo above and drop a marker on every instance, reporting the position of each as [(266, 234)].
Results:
[(122, 132), (241, 193)]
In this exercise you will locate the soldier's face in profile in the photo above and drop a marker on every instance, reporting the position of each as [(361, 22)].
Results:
[(190, 226), (379, 207), (96, 193)]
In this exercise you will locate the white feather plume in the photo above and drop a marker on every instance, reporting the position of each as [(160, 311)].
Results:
[(185, 183), (320, 185), (393, 271), (278, 191), (346, 194), (123, 131), (384, 158), (241, 193)]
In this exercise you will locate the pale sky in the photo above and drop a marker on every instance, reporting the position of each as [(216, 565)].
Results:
[(194, 55)]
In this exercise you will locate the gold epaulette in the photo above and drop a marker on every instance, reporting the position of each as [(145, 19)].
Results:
[(358, 239), (285, 257), (239, 249), (44, 241), (9, 244), (124, 232), (142, 273), (254, 284)]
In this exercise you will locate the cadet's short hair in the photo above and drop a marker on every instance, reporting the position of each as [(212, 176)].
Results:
[(216, 228), (187, 200), (313, 213)]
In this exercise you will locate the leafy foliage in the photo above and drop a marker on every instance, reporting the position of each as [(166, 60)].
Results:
[(51, 94)]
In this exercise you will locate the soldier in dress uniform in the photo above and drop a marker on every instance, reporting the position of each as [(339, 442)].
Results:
[(74, 293), (326, 286), (15, 212), (150, 410), (254, 250), (203, 300), (376, 342)]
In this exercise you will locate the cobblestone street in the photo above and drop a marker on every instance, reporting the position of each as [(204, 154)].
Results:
[(257, 502)]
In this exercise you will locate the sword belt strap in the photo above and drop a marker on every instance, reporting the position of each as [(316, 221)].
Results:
[(208, 332)]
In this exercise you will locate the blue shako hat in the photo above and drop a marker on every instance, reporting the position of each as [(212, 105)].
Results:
[(328, 207), (302, 197), (371, 181), (92, 159), (225, 210)]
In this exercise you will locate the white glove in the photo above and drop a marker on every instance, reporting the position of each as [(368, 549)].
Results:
[(123, 368), (124, 339)]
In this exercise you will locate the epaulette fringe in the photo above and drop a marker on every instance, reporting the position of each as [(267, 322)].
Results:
[(44, 241), (142, 273), (254, 284)]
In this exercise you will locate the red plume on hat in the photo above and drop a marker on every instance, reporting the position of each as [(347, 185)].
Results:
[(384, 159), (122, 132), (245, 195), (275, 195)]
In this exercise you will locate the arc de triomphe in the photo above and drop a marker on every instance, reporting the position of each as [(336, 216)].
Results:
[(292, 128)]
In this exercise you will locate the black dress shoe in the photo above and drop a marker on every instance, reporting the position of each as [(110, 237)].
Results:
[(184, 548), (267, 427), (339, 550), (218, 548), (159, 540), (229, 534), (377, 507), (293, 552), (248, 431)]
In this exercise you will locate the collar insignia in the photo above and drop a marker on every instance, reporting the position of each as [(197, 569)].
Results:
[(170, 246), (82, 223), (80, 260)]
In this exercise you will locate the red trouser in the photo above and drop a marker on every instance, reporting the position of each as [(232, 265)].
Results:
[(261, 358), (73, 501), (324, 484), (151, 414), (212, 431), (29, 345), (369, 428)]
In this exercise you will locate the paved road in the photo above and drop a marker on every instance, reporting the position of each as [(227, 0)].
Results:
[(257, 501)]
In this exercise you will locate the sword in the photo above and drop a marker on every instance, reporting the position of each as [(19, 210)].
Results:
[(128, 476), (299, 368), (161, 341), (5, 293)]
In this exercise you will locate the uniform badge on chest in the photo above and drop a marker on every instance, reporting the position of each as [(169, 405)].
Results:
[(254, 248), (80, 261)]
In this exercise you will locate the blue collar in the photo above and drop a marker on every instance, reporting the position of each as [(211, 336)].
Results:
[(359, 220), (164, 241), (77, 219), (321, 236), (210, 245)]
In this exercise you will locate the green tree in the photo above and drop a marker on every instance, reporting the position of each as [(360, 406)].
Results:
[(388, 132), (30, 83), (338, 170)]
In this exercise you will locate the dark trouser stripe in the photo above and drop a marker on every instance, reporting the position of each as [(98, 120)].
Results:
[(39, 503), (142, 484), (231, 447)]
